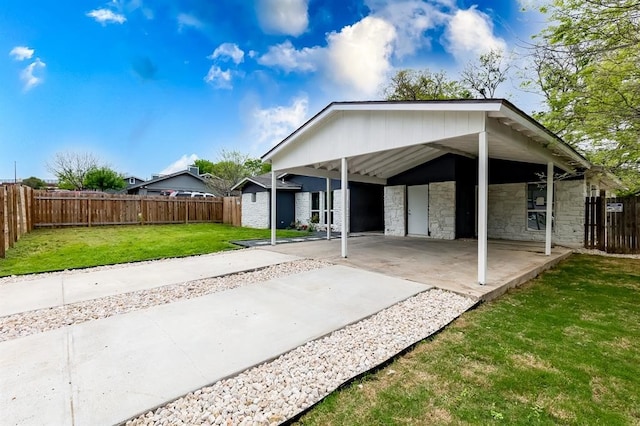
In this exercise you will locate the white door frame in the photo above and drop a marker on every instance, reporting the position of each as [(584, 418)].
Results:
[(421, 217)]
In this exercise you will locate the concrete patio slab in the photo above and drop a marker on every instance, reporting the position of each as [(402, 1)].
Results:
[(49, 290), (106, 371), (446, 264)]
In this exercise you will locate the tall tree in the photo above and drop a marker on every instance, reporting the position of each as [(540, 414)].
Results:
[(484, 75), (412, 85), (231, 168), (71, 168), (103, 179), (587, 65)]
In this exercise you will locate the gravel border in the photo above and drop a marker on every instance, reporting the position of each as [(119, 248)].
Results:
[(276, 391), (603, 253), (38, 321)]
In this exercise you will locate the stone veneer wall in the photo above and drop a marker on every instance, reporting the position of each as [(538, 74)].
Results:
[(303, 207), (337, 210), (394, 208), (256, 214), (508, 210), (569, 226), (442, 210)]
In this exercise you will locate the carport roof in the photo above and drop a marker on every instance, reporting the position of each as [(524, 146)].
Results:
[(384, 138)]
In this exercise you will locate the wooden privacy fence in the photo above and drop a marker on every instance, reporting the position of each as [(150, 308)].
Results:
[(612, 224), (55, 209), (16, 214)]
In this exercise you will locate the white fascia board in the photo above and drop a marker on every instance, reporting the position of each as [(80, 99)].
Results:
[(517, 138), (532, 125)]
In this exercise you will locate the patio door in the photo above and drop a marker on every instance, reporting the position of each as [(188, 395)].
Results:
[(418, 210)]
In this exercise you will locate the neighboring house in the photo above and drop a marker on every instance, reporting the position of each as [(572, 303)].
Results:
[(439, 169), (132, 181), (303, 199), (185, 180)]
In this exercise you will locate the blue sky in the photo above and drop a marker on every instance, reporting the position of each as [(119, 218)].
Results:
[(147, 86)]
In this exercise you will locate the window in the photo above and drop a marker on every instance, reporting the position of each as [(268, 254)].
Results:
[(319, 207), (537, 207), (253, 197), (132, 181), (330, 207), (315, 207)]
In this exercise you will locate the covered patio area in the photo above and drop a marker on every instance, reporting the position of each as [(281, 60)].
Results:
[(446, 264), (387, 143)]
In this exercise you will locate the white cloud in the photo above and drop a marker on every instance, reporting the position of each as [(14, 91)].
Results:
[(469, 33), (218, 78), (357, 58), (186, 20), (28, 75), (271, 125), (20, 53), (411, 19), (359, 55), (180, 164), (228, 51), (106, 16), (285, 56), (288, 17)]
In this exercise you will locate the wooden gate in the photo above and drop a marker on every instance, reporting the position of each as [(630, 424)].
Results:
[(612, 224)]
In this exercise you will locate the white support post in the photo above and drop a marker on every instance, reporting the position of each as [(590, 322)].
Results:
[(274, 183), (328, 206), (483, 195), (549, 220), (344, 186)]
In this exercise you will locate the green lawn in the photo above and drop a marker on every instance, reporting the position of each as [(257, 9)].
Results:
[(563, 349), (46, 250)]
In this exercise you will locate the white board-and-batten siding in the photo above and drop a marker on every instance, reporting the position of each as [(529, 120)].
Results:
[(352, 133)]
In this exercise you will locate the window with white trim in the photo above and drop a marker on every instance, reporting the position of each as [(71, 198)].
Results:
[(328, 199), (315, 207), (537, 207)]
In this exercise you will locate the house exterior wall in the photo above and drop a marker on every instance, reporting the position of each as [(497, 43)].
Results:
[(508, 212), (337, 210), (394, 210), (442, 210), (303, 207), (569, 226), (255, 214)]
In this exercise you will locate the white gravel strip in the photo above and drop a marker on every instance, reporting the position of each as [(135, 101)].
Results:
[(280, 389), (32, 322)]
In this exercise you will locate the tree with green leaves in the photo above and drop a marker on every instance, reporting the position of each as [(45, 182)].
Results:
[(231, 168), (412, 85), (71, 169), (103, 179), (586, 63), (34, 182)]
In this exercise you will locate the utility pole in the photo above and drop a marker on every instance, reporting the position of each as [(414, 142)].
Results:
[(15, 172)]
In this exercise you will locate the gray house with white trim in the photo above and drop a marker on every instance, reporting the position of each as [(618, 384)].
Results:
[(303, 200), (447, 169)]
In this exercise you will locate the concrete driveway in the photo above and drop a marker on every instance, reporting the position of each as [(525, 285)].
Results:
[(106, 371), (447, 264)]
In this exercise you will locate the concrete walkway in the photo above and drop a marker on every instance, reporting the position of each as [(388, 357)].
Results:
[(106, 371), (49, 290)]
